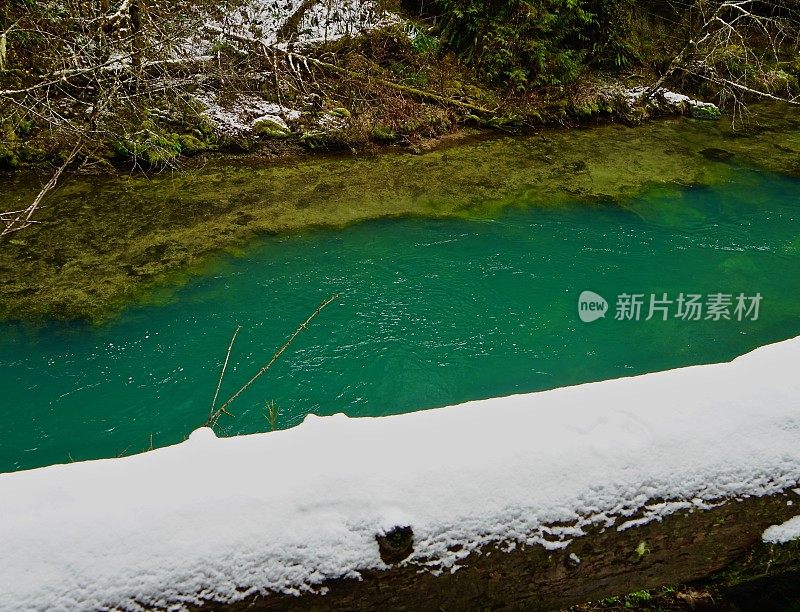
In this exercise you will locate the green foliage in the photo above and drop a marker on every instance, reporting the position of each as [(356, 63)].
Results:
[(149, 145), (526, 43), (637, 598), (424, 43), (613, 46), (521, 42), (383, 134)]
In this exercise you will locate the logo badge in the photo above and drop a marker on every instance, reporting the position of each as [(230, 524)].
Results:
[(591, 306)]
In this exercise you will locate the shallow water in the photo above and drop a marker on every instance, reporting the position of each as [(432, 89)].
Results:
[(431, 313), (105, 242)]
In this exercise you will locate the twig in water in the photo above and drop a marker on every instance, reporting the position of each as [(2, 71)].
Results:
[(212, 420), (222, 373), (272, 414)]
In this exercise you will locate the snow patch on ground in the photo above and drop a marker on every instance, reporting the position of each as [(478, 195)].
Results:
[(226, 518), (264, 20), (783, 533), (673, 101), (321, 22), (238, 116)]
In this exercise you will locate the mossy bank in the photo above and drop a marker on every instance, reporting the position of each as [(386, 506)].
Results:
[(107, 241)]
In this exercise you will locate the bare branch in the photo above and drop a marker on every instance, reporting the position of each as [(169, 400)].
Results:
[(18, 220), (212, 420), (222, 373)]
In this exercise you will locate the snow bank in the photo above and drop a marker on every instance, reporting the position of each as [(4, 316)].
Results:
[(783, 533), (671, 101), (263, 20), (226, 518), (320, 22), (240, 115)]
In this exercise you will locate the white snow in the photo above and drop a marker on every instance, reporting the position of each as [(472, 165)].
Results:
[(672, 100), (323, 21), (240, 115), (699, 104), (226, 518), (783, 533), (261, 20)]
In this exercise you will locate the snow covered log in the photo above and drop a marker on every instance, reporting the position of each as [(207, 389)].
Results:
[(546, 498), (722, 544)]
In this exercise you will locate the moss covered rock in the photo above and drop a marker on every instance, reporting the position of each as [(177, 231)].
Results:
[(704, 110), (149, 144), (267, 128)]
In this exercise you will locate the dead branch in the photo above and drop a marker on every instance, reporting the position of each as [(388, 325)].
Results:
[(214, 417), (292, 57), (18, 220), (726, 30), (222, 373)]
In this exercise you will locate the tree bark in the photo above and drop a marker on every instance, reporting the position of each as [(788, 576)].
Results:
[(723, 543)]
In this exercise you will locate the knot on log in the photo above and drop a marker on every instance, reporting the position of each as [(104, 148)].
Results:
[(396, 544)]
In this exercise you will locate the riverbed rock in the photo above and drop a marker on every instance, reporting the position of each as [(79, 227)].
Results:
[(716, 154)]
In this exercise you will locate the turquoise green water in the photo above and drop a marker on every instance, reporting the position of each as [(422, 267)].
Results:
[(431, 313)]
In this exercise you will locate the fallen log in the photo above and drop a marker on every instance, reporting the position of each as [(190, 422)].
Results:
[(722, 545)]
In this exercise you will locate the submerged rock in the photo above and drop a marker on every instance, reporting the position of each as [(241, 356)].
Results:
[(715, 154)]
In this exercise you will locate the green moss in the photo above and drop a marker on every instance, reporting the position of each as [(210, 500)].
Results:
[(8, 158), (501, 121), (267, 128), (705, 111), (332, 140), (149, 145), (106, 242), (586, 110), (383, 134), (191, 145), (31, 154)]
